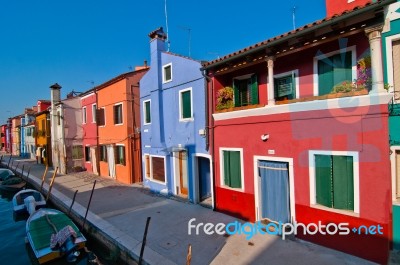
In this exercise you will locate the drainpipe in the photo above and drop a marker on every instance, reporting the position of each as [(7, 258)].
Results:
[(210, 127), (97, 134), (208, 79)]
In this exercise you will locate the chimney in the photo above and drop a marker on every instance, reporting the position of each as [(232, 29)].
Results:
[(55, 94), (157, 45)]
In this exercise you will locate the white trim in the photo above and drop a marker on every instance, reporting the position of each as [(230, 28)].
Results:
[(196, 185), (336, 103), (144, 111), (122, 113), (326, 55), (243, 77), (94, 113), (181, 119), (88, 95), (163, 73), (176, 180), (116, 150), (291, 184), (296, 80), (393, 150), (356, 180), (151, 170), (105, 117), (389, 60), (221, 168), (144, 166), (84, 115)]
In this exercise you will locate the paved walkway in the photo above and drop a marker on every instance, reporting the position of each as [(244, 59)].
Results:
[(118, 213)]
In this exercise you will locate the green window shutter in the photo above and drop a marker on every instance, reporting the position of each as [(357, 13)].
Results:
[(343, 187), (325, 77), (235, 170), (232, 169), (186, 105), (148, 114), (254, 90), (226, 168), (323, 179), (236, 93), (342, 68)]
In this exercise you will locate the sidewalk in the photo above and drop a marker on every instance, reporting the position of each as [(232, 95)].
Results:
[(118, 215)]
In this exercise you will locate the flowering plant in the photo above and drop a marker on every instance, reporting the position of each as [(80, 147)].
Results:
[(363, 80), (225, 98)]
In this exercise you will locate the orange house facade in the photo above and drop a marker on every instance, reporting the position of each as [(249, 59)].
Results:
[(118, 121)]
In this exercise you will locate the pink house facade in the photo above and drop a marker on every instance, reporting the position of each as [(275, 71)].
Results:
[(89, 126)]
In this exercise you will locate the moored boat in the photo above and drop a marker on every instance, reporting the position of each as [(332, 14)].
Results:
[(9, 181), (52, 235), (28, 200)]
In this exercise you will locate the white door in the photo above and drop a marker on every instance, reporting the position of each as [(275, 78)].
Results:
[(93, 157), (111, 161)]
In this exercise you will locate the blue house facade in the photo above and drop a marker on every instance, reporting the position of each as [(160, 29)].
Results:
[(391, 62), (25, 134), (173, 125)]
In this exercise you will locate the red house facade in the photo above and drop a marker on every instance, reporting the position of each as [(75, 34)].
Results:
[(336, 7), (3, 140), (299, 131)]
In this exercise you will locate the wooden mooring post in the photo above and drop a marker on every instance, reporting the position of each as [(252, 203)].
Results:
[(51, 183), (43, 178)]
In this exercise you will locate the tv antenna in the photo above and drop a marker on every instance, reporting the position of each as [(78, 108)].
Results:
[(189, 30), (294, 17), (166, 25)]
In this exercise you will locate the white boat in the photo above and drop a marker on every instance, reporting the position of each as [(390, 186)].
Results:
[(28, 200), (53, 235)]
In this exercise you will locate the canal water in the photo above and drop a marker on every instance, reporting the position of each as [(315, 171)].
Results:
[(14, 250)]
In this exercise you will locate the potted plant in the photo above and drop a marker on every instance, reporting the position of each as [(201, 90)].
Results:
[(225, 98)]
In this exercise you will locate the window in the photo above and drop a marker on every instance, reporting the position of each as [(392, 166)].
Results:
[(101, 117), (334, 70), (158, 168), (28, 132), (84, 115), (397, 175), (285, 86), (185, 104), (396, 68), (167, 73), (58, 118), (77, 152), (147, 166), (94, 110), (120, 154), (231, 167), (245, 89), (334, 180), (118, 114), (103, 153), (147, 112), (87, 153)]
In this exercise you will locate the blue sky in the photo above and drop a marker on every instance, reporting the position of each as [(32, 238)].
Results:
[(80, 43)]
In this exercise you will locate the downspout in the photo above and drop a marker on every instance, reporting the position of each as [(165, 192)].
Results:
[(136, 140), (97, 135), (210, 127), (132, 138)]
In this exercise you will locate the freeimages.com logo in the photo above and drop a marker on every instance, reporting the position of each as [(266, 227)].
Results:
[(282, 229)]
